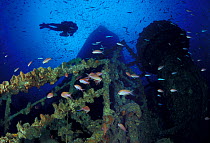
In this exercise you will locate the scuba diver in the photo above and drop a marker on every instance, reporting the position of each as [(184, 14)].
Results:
[(68, 27)]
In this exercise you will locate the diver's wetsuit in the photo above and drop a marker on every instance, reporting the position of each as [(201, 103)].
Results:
[(68, 27)]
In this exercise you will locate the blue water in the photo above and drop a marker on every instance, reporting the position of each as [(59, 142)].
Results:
[(23, 41)]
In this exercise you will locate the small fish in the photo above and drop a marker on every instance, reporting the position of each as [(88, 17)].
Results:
[(203, 69), (134, 76), (188, 31), (119, 44), (29, 63), (189, 36), (40, 58), (128, 74), (78, 87), (173, 90), (66, 95), (98, 81), (84, 81), (160, 90), (6, 56), (160, 67), (86, 109), (147, 40), (97, 52), (96, 43), (185, 48), (147, 75), (159, 95), (207, 118), (16, 69), (173, 73), (178, 59), (160, 104), (161, 79), (46, 60), (95, 77), (188, 10), (203, 30), (125, 92), (50, 95), (122, 127), (109, 36), (99, 73), (199, 60)]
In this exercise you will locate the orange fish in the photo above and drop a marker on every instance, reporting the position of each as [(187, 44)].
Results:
[(125, 92), (99, 73), (84, 80), (50, 95), (78, 87), (97, 52), (122, 127), (128, 74), (66, 95), (29, 63), (134, 76), (91, 74), (86, 109), (98, 81), (46, 60), (104, 128), (95, 77)]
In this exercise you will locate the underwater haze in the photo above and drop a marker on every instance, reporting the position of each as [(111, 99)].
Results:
[(46, 33)]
